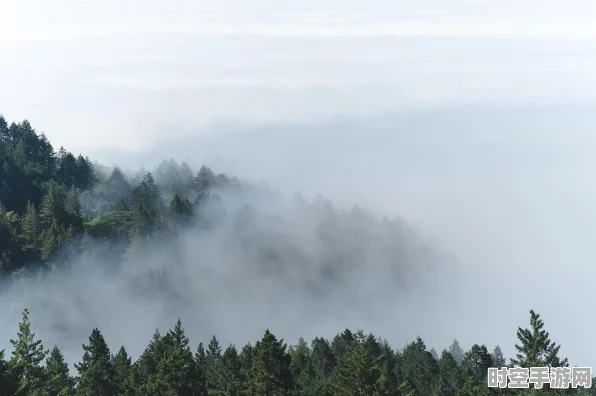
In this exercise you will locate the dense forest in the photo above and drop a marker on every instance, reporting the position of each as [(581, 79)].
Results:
[(55, 206)]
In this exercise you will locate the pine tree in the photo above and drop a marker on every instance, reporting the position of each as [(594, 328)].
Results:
[(270, 374), (300, 357), (180, 210), (96, 372), (476, 364), (122, 364), (448, 374), (388, 383), (30, 225), (357, 372), (201, 369), (52, 206), (9, 380), (536, 349), (213, 361), (85, 174), (72, 208), (176, 372), (58, 379), (205, 178), (341, 343), (457, 352), (419, 368), (231, 371), (27, 356), (498, 358)]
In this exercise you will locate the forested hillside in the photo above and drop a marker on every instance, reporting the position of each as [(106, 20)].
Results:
[(169, 233)]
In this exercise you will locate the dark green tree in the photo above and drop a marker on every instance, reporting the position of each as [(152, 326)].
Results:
[(270, 374), (58, 379), (357, 372), (27, 356), (96, 372), (122, 364), (535, 348), (9, 380), (449, 378)]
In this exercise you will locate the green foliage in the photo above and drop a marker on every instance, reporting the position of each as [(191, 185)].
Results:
[(52, 202), (363, 366), (535, 348), (27, 356), (58, 379), (96, 371), (270, 374), (357, 372)]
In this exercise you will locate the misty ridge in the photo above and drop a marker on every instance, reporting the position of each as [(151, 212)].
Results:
[(182, 243)]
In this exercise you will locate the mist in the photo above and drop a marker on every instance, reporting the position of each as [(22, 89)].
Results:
[(299, 268)]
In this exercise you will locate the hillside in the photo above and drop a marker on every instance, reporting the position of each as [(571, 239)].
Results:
[(83, 249)]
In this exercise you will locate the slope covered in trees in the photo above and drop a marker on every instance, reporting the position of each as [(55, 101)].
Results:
[(185, 239)]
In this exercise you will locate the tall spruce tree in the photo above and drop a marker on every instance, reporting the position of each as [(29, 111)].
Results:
[(96, 372), (357, 372), (27, 356), (58, 380), (535, 348), (270, 374)]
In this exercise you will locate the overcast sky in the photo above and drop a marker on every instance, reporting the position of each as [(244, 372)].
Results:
[(473, 120)]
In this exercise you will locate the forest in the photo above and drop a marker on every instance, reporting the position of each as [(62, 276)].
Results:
[(56, 208)]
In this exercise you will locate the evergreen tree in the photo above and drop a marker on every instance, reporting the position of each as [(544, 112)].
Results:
[(536, 349), (498, 358), (357, 372), (96, 372), (205, 179), (419, 369), (231, 371), (30, 226), (448, 375), (341, 343), (476, 364), (52, 206), (58, 379), (213, 362), (180, 210), (72, 206), (388, 383), (201, 369), (122, 364), (299, 366), (176, 372), (9, 381), (270, 374), (85, 174), (27, 356), (457, 352)]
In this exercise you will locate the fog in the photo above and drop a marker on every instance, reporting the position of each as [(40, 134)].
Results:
[(471, 124)]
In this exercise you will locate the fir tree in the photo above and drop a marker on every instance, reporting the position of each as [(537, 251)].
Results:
[(357, 372), (122, 364), (96, 372), (270, 374), (58, 379), (27, 356)]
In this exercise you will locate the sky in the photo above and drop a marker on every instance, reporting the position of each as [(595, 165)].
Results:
[(472, 120)]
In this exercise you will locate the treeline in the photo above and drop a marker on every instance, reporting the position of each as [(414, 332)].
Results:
[(51, 201), (352, 363)]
